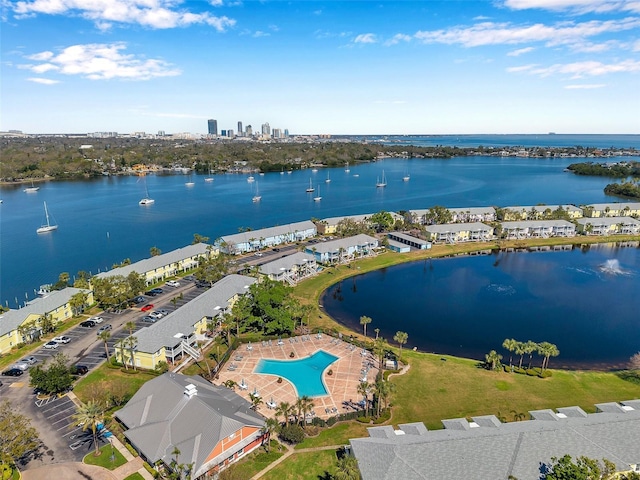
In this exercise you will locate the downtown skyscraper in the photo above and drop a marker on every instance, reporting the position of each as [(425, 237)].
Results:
[(212, 127)]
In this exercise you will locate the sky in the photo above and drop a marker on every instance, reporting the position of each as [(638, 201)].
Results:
[(331, 67)]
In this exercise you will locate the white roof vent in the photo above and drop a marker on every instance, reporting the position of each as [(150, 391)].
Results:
[(190, 390)]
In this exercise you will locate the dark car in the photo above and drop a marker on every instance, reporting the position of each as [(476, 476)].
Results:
[(138, 299), (103, 328), (88, 324), (78, 369), (276, 249), (13, 372), (203, 284), (150, 293), (157, 291), (189, 278)]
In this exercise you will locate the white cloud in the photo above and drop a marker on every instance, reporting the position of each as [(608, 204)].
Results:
[(160, 14), (365, 38), (520, 51), (43, 81), (579, 69), (42, 56), (585, 86), (490, 33), (259, 33), (577, 6), (274, 28), (397, 38), (102, 62)]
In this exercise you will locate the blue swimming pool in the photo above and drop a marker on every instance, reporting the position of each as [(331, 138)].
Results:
[(305, 374)]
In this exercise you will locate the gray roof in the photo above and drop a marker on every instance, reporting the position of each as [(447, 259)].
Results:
[(335, 245), (163, 332), (287, 262), (159, 261), (12, 319), (270, 232), (608, 221), (488, 449), (615, 206), (458, 227), (458, 210), (537, 223), (543, 208), (160, 416), (409, 238)]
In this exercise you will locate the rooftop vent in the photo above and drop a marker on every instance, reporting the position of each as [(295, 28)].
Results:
[(190, 390)]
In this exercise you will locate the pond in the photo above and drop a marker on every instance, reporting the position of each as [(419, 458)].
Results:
[(586, 300)]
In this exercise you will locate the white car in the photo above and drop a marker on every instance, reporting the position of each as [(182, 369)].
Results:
[(62, 339), (258, 254), (173, 283), (97, 320), (51, 345)]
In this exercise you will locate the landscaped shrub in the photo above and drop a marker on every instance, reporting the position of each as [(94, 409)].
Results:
[(532, 372), (331, 421), (292, 434), (546, 374), (364, 419), (385, 415)]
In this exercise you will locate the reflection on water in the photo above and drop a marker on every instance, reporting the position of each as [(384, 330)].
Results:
[(585, 301)]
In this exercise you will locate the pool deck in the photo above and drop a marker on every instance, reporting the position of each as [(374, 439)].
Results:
[(342, 385)]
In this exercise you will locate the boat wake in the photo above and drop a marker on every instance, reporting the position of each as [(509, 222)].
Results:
[(498, 289), (612, 267)]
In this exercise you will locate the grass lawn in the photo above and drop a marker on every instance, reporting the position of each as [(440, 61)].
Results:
[(104, 460), (134, 476), (256, 461), (311, 465), (339, 434), (104, 381)]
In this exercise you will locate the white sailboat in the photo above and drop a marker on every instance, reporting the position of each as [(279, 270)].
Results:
[(406, 177), (257, 197), (209, 178), (48, 227), (382, 183), (31, 189), (250, 179), (190, 183), (146, 200), (346, 168), (310, 189), (317, 198), (328, 180)]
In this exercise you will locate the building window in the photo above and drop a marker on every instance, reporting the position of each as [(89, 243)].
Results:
[(240, 452)]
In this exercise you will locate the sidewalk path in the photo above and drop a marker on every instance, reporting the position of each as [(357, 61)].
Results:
[(291, 451)]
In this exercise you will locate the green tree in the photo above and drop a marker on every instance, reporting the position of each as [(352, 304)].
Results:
[(583, 468), (347, 468), (292, 433), (364, 388), (105, 335), (77, 302), (197, 238), (271, 425), (90, 415), (285, 410), (401, 338), (510, 344), (131, 342), (63, 281), (46, 324), (382, 221), (364, 321), (379, 349), (492, 360), (519, 349), (18, 439), (529, 348), (437, 215), (54, 378), (256, 401), (154, 251), (547, 350)]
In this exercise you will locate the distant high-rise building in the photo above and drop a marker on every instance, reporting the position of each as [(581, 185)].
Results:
[(223, 133), (286, 133), (230, 133), (249, 130), (277, 133), (239, 128), (266, 129), (213, 127)]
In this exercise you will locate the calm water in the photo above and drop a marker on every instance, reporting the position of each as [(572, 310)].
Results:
[(304, 374), (586, 302), (101, 223)]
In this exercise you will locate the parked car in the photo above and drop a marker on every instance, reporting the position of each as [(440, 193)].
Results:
[(147, 307), (21, 366), (138, 299), (13, 372), (156, 315), (51, 345), (78, 369), (173, 283), (29, 360), (150, 293), (163, 311), (97, 319), (103, 328), (276, 249), (258, 254), (203, 284), (88, 324), (157, 291), (189, 278), (62, 339), (149, 319)]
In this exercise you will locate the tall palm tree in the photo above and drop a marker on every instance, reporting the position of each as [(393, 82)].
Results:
[(122, 345), (270, 425), (401, 338), (105, 336), (307, 407), (347, 468), (256, 400), (131, 342), (377, 330), (546, 350), (364, 321), (285, 409), (510, 345), (529, 348), (520, 350), (90, 415), (131, 326), (363, 389), (493, 360), (379, 349)]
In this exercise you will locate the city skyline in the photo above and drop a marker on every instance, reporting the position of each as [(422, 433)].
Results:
[(505, 66)]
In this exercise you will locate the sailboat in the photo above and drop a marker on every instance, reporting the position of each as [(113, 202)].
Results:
[(318, 197), (257, 197), (190, 183), (209, 178), (328, 180), (250, 179), (310, 189), (32, 188), (346, 168), (382, 183), (48, 227), (406, 177), (146, 200)]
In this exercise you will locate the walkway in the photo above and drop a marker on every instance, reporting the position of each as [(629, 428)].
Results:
[(291, 451)]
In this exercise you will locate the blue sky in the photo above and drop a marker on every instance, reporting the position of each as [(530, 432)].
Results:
[(355, 67)]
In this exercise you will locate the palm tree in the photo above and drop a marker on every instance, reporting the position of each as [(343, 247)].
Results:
[(529, 348), (285, 409), (363, 389), (270, 425), (401, 338), (131, 326), (519, 349), (154, 251), (90, 415), (377, 330), (131, 342), (307, 406), (256, 400), (379, 349), (493, 360), (364, 321), (347, 468), (547, 350), (510, 344), (122, 344), (105, 336)]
